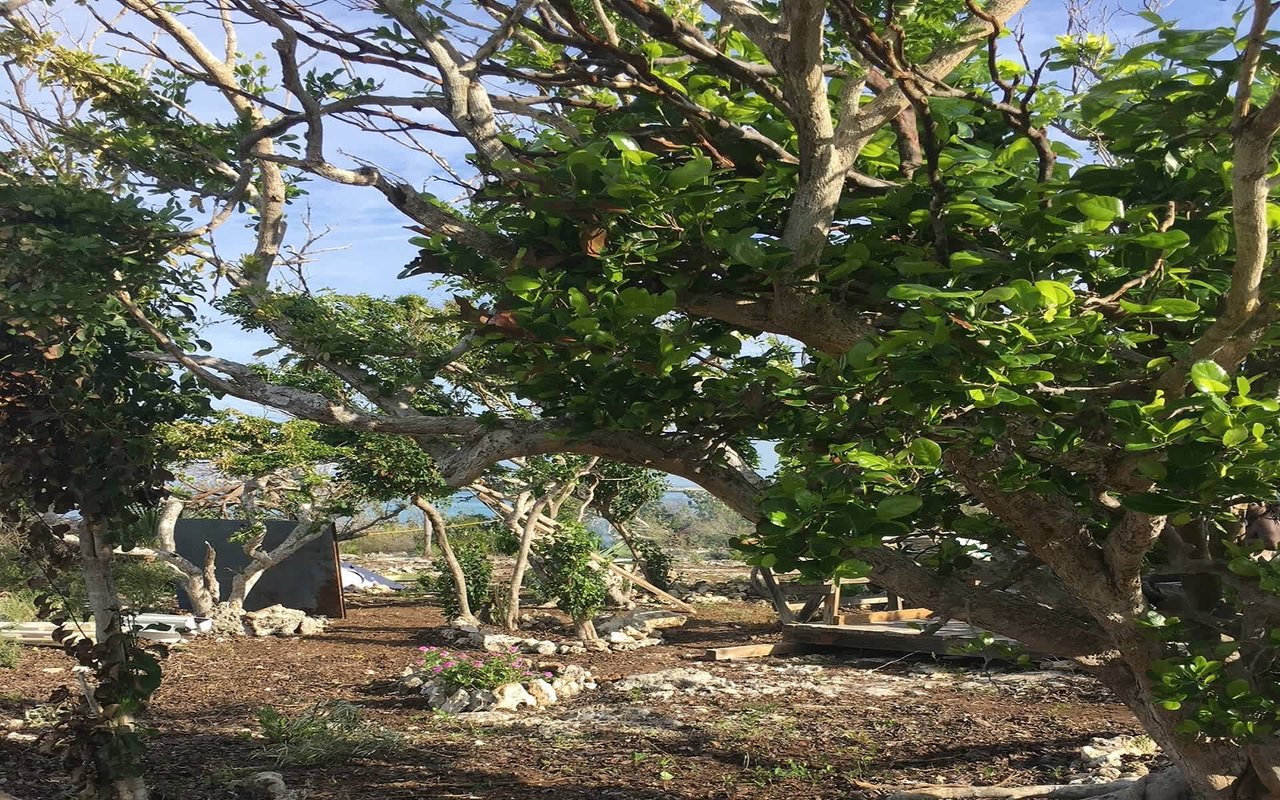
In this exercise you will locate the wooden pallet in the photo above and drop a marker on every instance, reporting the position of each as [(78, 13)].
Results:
[(894, 637)]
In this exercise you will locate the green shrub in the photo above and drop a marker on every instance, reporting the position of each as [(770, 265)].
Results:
[(18, 606), (655, 563), (569, 576), (145, 585), (326, 733), (474, 560), (10, 654), (480, 671)]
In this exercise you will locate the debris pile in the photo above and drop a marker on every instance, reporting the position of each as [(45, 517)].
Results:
[(638, 629), (630, 631), (1104, 760), (165, 628), (565, 681)]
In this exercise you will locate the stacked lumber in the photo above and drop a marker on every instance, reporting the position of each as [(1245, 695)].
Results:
[(166, 628)]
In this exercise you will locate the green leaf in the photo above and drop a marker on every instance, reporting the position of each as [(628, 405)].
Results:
[(623, 142), (1210, 378), (744, 249), (915, 291), (1235, 436), (1100, 207), (523, 283), (926, 452), (1056, 293), (1163, 240), (689, 172), (896, 506), (1237, 688), (1244, 567)]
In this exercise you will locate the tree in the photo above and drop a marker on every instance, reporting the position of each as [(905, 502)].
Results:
[(986, 335), (255, 469), (78, 413)]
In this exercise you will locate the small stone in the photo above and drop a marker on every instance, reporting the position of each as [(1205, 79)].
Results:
[(14, 736), (618, 637), (545, 648), (274, 621), (481, 700), (542, 692), (15, 724), (499, 642), (411, 682), (456, 703), (510, 696), (268, 786)]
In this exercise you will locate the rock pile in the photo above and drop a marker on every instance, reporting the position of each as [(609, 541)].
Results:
[(707, 592), (274, 620), (565, 682), (1116, 758), (630, 631), (638, 628), (668, 682)]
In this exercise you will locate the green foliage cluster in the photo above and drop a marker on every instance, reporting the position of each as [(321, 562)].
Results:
[(330, 732), (569, 574), (77, 408), (655, 562), (624, 489), (10, 654), (702, 524), (477, 569), (472, 672)]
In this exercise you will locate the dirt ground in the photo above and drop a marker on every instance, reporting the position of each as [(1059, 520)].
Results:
[(815, 726)]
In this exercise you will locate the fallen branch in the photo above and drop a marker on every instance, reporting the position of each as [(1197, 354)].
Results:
[(1164, 785)]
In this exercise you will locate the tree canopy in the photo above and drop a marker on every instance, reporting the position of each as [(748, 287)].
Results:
[(1009, 315)]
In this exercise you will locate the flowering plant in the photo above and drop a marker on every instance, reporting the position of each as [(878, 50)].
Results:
[(477, 671)]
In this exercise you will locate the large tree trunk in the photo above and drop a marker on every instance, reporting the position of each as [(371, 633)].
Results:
[(455, 568), (1210, 770)]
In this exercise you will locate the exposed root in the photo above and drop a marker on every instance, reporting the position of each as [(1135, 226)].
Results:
[(1164, 785)]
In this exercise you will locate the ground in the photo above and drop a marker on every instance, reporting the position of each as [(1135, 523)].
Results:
[(815, 726)]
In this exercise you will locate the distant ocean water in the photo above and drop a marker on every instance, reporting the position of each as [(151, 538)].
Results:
[(466, 503)]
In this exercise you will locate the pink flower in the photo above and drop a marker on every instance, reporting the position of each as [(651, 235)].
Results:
[(448, 664), (423, 649), (546, 674), (436, 668)]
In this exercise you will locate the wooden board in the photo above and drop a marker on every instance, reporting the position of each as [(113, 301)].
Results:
[(894, 637), (742, 651), (907, 614)]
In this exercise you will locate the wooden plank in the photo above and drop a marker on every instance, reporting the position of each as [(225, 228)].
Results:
[(641, 582), (857, 617), (741, 651), (806, 611), (832, 603), (779, 601)]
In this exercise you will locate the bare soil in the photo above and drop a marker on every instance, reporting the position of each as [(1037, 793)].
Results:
[(842, 731)]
